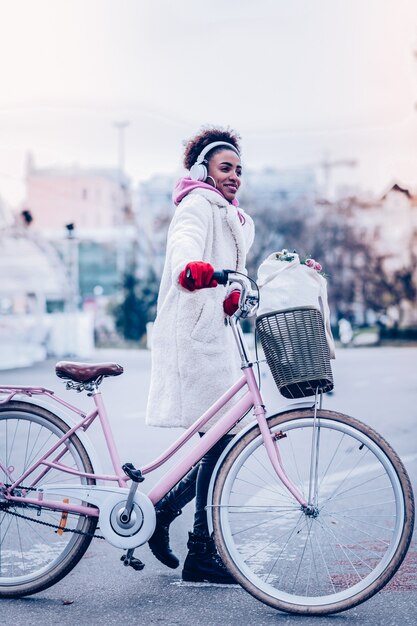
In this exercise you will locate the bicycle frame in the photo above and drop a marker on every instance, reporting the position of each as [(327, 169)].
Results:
[(251, 398)]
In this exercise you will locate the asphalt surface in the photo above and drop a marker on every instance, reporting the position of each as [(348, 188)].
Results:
[(377, 385)]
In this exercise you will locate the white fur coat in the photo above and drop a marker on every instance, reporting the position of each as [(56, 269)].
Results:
[(194, 358)]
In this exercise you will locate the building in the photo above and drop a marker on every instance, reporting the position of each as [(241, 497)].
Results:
[(389, 226), (91, 198), (391, 223), (91, 206), (154, 209), (32, 290), (278, 187)]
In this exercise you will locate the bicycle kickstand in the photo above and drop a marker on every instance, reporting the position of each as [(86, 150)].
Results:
[(135, 475)]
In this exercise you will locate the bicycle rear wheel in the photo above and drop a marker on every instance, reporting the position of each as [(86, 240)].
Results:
[(32, 555), (339, 553)]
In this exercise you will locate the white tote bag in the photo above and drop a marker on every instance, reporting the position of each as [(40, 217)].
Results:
[(290, 284)]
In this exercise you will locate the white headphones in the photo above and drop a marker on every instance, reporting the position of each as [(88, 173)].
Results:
[(198, 171)]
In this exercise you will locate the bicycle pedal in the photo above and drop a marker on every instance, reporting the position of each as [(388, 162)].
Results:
[(133, 473), (137, 564)]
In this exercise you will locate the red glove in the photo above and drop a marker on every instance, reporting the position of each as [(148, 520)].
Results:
[(231, 304), (197, 275)]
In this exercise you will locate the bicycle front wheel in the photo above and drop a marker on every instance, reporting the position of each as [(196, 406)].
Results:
[(340, 551), (33, 556)]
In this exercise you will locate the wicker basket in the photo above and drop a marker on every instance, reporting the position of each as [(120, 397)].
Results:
[(296, 350)]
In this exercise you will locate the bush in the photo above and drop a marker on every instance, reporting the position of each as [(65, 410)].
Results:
[(138, 306)]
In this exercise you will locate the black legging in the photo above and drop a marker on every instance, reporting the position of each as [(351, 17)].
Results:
[(196, 483)]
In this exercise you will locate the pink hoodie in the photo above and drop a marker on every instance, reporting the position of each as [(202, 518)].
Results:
[(185, 185)]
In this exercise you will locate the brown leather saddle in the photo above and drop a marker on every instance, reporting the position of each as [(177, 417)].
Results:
[(86, 372)]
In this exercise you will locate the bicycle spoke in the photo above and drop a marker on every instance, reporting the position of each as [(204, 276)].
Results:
[(362, 493), (325, 565), (20, 543), (12, 446), (263, 488), (274, 477), (336, 559), (323, 479), (300, 482), (359, 461), (365, 482), (308, 524), (254, 508), (264, 498), (350, 542), (383, 541), (38, 452), (26, 447), (301, 518), (265, 546), (259, 524), (6, 531)]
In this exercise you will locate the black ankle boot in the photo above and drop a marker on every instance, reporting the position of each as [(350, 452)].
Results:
[(159, 542), (203, 563)]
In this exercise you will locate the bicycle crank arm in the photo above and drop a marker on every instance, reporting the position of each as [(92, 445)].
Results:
[(136, 477)]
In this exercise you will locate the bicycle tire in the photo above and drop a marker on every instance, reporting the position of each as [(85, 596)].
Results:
[(242, 485), (36, 559)]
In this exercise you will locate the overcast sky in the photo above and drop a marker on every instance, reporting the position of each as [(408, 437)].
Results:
[(299, 80)]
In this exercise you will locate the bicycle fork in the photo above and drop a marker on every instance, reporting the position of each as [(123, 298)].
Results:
[(271, 442), (270, 439), (260, 414), (314, 457), (272, 449)]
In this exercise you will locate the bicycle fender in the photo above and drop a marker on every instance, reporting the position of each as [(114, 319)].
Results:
[(284, 409), (69, 421)]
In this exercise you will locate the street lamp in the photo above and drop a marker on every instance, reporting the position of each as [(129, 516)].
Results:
[(73, 288)]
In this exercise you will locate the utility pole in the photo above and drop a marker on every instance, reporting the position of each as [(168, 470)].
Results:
[(327, 166), (121, 126), (415, 58), (122, 242)]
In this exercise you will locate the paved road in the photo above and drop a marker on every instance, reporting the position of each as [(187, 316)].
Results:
[(376, 385)]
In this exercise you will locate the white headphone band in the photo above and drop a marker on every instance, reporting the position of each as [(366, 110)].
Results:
[(215, 144)]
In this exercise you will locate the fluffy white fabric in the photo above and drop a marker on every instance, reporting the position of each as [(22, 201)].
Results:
[(288, 284), (194, 358)]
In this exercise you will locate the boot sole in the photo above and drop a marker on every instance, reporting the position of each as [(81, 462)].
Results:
[(192, 578), (170, 564)]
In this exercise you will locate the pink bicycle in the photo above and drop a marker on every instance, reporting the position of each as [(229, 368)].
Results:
[(312, 511)]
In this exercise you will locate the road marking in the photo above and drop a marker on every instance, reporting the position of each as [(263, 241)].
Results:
[(183, 583)]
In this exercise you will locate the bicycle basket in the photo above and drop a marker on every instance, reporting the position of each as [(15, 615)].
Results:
[(296, 350)]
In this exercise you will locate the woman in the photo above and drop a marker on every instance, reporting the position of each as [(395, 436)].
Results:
[(193, 358)]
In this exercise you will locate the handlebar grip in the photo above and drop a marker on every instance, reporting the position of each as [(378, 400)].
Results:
[(221, 276)]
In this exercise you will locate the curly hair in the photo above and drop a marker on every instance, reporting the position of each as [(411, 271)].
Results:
[(208, 134)]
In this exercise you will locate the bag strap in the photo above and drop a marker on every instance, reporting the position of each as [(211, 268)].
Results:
[(285, 266)]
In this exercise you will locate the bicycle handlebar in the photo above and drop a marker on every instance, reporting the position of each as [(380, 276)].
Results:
[(249, 300), (220, 276)]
